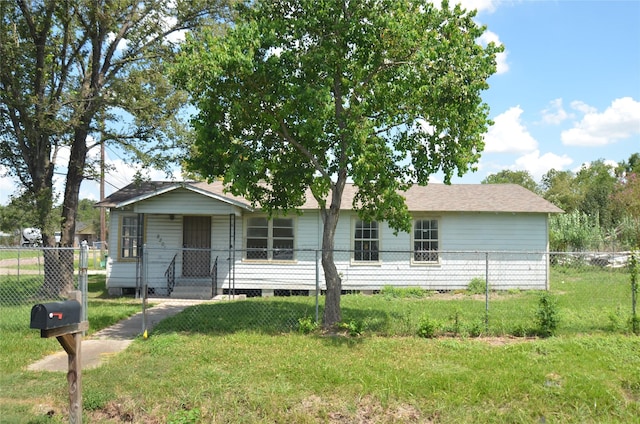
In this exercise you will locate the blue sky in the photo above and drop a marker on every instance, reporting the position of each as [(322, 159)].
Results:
[(567, 90)]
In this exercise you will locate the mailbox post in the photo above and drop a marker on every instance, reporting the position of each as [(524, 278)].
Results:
[(62, 320)]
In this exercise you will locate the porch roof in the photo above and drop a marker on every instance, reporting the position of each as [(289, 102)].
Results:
[(139, 191)]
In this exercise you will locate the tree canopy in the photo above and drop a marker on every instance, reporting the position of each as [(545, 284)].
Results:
[(506, 176), (77, 73), (304, 94)]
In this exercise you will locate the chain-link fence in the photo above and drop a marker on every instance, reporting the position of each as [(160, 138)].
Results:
[(393, 292), (389, 293), (30, 276)]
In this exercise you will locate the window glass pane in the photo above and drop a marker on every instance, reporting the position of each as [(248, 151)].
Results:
[(282, 222), (283, 232), (129, 237), (257, 238), (256, 248), (366, 241), (425, 240), (258, 222), (270, 239), (257, 232), (282, 239)]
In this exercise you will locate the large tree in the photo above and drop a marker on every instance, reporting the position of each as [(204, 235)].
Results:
[(596, 182), (506, 176), (559, 188), (73, 69), (306, 94)]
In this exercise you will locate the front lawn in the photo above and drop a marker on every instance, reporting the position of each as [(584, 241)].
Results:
[(247, 362)]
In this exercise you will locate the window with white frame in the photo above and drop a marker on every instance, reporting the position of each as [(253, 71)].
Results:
[(425, 240), (270, 238), (366, 241), (129, 237)]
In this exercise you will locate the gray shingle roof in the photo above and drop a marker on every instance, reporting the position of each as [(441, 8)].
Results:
[(430, 198)]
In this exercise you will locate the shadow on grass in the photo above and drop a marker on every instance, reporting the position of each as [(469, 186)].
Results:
[(265, 316)]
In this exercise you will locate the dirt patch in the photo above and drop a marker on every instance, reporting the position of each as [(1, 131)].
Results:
[(120, 413), (504, 340), (367, 410)]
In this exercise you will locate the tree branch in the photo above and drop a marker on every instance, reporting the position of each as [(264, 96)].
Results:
[(314, 160)]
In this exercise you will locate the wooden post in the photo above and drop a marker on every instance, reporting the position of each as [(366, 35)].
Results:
[(70, 338), (74, 375)]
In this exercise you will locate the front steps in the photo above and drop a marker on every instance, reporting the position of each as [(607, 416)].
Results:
[(193, 288)]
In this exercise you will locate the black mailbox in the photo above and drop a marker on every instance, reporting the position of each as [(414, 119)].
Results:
[(55, 314)]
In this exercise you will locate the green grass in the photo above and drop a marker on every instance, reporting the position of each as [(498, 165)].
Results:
[(15, 253), (28, 255), (245, 362)]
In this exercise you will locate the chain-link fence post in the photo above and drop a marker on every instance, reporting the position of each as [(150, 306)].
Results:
[(83, 276), (144, 283), (317, 284), (486, 291), (633, 270)]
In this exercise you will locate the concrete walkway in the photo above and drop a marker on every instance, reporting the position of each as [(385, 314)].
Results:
[(109, 341)]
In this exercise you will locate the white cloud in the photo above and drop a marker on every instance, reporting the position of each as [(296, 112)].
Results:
[(539, 165), (122, 43), (501, 58), (619, 121), (7, 186), (555, 113), (509, 135), (583, 107), (479, 5)]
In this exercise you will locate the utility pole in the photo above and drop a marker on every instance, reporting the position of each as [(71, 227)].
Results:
[(103, 217)]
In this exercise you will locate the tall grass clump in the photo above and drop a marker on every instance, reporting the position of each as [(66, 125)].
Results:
[(393, 292), (547, 315), (427, 328), (477, 285), (575, 231)]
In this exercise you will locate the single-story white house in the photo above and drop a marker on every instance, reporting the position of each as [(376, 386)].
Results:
[(196, 234)]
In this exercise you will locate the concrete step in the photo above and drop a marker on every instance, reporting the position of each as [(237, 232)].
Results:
[(191, 292)]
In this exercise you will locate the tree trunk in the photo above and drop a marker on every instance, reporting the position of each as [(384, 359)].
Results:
[(58, 272), (75, 175), (332, 312), (58, 263)]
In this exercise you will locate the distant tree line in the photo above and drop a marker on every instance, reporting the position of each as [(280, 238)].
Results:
[(20, 214), (601, 203)]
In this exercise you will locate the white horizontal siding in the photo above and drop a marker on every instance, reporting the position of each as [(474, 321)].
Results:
[(184, 202), (455, 271), (457, 232), (493, 232)]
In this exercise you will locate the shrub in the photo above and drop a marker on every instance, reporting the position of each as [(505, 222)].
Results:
[(547, 315), (476, 328), (521, 330), (575, 231), (307, 325), (456, 318), (477, 285), (393, 292), (354, 328), (427, 328)]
